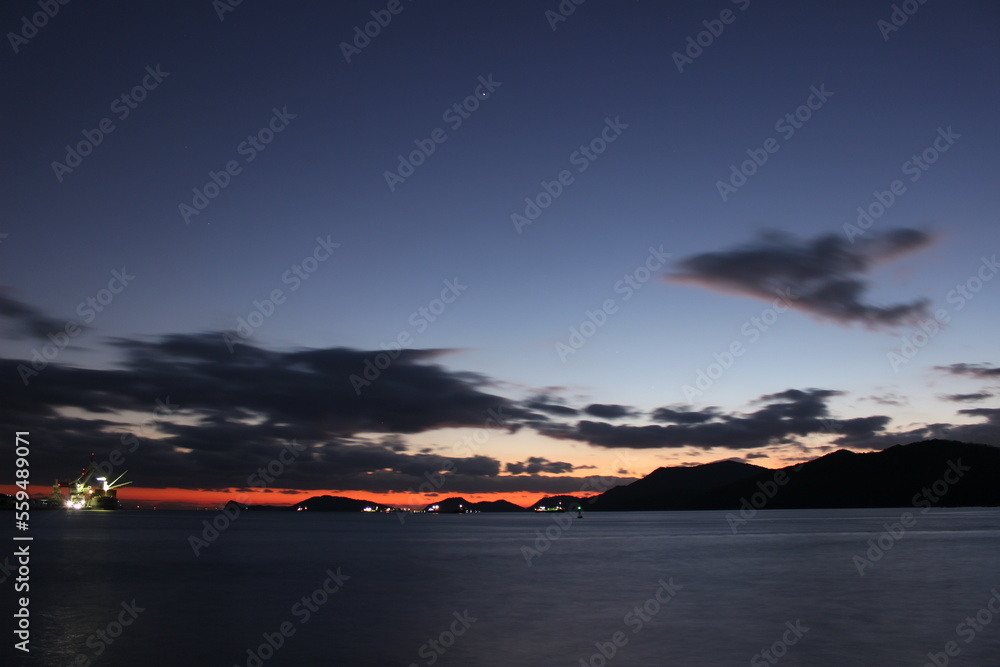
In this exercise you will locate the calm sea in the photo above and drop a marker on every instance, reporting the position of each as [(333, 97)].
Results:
[(663, 588)]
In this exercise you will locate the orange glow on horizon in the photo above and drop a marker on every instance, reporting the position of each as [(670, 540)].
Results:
[(177, 498), (173, 498)]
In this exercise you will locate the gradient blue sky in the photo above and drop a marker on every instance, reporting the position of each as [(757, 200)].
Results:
[(655, 186)]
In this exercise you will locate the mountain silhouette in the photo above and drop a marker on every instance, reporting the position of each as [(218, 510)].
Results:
[(673, 488), (939, 473), (932, 473)]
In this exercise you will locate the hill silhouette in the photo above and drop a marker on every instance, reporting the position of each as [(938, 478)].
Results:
[(457, 504), (336, 504), (673, 488), (940, 473), (932, 473), (568, 503)]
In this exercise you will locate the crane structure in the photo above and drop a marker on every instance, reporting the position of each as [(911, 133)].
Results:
[(91, 490)]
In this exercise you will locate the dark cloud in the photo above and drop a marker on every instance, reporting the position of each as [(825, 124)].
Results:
[(394, 442), (23, 321), (821, 277), (968, 398), (859, 427), (544, 403), (217, 420), (887, 399), (784, 417), (234, 413), (878, 441), (608, 411), (986, 432), (536, 464), (982, 371), (799, 403), (991, 414), (684, 415)]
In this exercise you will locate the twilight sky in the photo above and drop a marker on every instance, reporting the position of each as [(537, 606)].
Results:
[(531, 250)]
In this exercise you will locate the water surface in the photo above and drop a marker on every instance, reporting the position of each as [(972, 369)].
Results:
[(706, 595)]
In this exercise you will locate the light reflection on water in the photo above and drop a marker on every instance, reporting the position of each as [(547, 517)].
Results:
[(407, 581)]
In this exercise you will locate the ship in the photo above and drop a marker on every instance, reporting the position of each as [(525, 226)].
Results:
[(91, 490)]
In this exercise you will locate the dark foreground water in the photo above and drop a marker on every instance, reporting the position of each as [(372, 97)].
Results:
[(664, 588)]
